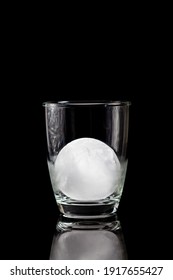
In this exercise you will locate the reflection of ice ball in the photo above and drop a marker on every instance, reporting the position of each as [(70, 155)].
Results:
[(88, 245), (87, 169)]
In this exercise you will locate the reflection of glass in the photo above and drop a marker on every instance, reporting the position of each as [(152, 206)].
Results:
[(87, 159), (88, 240)]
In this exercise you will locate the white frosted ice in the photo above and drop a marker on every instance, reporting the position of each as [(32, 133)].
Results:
[(86, 169)]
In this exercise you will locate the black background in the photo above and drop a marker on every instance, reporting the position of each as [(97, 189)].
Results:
[(38, 69)]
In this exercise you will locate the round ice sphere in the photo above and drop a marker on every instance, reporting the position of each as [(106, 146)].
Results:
[(87, 169)]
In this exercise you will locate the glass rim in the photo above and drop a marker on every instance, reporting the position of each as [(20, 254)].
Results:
[(78, 103)]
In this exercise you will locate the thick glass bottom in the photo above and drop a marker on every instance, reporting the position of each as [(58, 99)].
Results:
[(88, 210)]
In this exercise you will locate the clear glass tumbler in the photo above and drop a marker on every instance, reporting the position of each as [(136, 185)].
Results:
[(87, 155)]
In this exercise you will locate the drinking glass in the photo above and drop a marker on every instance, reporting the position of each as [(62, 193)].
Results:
[(87, 155)]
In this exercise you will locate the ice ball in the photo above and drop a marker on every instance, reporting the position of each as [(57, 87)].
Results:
[(87, 169)]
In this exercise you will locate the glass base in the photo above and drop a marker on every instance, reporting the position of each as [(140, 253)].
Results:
[(88, 210)]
